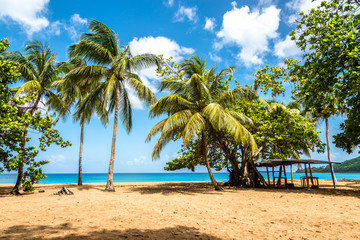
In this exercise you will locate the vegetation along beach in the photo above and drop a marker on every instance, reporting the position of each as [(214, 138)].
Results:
[(180, 119)]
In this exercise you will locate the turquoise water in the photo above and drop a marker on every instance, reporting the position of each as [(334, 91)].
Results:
[(153, 177)]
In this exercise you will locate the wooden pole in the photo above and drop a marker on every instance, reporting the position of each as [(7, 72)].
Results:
[(267, 171), (292, 175), (286, 185), (312, 180), (307, 177)]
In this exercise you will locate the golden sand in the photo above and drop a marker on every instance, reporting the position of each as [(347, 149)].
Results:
[(182, 211)]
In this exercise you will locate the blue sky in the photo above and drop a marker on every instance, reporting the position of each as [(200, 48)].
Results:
[(246, 33)]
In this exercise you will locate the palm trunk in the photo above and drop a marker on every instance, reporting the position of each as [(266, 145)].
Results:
[(80, 154), (17, 187), (109, 184), (205, 152), (328, 152)]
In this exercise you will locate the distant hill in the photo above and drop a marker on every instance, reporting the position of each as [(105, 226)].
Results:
[(352, 165)]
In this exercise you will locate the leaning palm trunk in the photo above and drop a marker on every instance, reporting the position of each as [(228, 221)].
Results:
[(80, 154), (17, 187), (109, 184), (328, 152), (205, 152)]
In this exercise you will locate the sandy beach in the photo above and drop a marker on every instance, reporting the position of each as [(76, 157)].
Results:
[(182, 211)]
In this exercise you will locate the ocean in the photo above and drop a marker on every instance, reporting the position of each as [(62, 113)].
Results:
[(153, 177)]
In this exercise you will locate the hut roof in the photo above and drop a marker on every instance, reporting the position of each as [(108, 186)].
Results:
[(277, 162)]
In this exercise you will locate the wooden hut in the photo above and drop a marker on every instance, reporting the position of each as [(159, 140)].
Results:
[(272, 163)]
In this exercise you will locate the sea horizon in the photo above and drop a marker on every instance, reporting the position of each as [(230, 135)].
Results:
[(54, 178)]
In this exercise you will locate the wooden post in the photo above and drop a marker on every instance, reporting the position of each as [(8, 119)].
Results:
[(307, 177), (273, 175), (279, 178), (292, 175), (286, 185), (312, 180), (267, 171)]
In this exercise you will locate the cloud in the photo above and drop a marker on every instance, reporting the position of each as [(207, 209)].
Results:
[(55, 28), (159, 45), (215, 57), (156, 45), (138, 161), (250, 31), (56, 158), (171, 2), (286, 48), (74, 25), (209, 24), (300, 6), (186, 13), (28, 13)]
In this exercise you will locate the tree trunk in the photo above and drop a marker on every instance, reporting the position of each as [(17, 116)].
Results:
[(249, 175), (205, 152), (109, 184), (80, 154), (328, 152), (234, 178), (17, 187)]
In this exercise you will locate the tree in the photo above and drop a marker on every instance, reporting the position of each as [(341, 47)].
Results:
[(74, 92), (331, 64), (14, 126), (196, 109), (39, 70), (114, 71)]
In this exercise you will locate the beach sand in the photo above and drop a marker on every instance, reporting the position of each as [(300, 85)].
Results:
[(182, 211)]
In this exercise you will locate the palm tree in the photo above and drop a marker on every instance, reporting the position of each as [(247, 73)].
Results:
[(114, 69), (321, 109), (196, 108), (39, 71), (74, 92)]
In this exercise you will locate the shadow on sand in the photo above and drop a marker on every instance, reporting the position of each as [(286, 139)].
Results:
[(345, 188), (57, 232)]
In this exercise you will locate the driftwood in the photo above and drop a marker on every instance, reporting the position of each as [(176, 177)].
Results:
[(64, 191)]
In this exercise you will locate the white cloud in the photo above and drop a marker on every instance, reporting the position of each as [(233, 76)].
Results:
[(250, 31), (215, 57), (28, 13), (301, 6), (171, 2), (159, 46), (286, 48), (55, 28), (56, 158), (209, 24), (76, 23), (76, 19), (138, 161), (186, 13)]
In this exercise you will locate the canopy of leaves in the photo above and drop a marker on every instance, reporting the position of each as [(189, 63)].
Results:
[(331, 70), (15, 123)]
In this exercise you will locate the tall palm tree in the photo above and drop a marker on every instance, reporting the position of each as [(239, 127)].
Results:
[(74, 92), (115, 70), (196, 108), (39, 70)]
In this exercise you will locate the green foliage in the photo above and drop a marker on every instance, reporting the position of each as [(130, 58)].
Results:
[(331, 67), (195, 106), (352, 165), (191, 156), (15, 124)]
